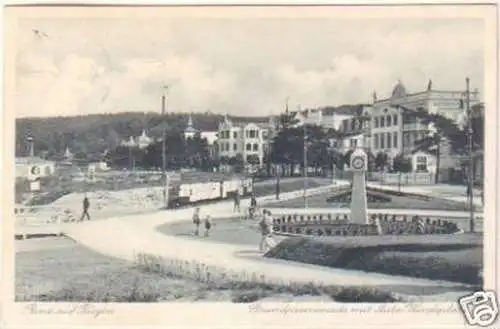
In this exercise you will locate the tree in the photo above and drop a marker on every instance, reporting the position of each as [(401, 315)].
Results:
[(287, 144), (401, 164), (381, 161), (237, 163), (446, 131), (318, 147), (197, 152), (347, 157), (253, 159)]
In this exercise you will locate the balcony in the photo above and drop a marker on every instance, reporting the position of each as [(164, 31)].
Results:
[(414, 126)]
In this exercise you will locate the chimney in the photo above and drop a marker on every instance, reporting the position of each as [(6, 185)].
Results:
[(31, 146)]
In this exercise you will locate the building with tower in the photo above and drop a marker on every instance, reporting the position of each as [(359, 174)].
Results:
[(141, 141), (393, 126)]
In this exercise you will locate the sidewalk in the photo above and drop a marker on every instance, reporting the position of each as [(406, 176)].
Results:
[(125, 237), (454, 193)]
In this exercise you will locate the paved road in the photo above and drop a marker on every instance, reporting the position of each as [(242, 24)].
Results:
[(126, 236)]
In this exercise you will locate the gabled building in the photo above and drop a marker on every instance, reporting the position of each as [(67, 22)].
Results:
[(246, 139), (209, 134)]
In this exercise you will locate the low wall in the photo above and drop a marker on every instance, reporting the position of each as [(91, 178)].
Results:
[(39, 215), (404, 178), (300, 193)]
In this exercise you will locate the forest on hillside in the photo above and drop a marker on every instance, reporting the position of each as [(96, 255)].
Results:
[(94, 134)]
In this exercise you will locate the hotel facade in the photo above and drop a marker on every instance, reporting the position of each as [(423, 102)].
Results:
[(391, 125), (245, 139)]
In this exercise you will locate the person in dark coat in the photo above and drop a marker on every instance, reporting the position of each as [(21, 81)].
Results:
[(208, 225), (86, 206), (237, 201), (196, 221), (469, 192), (253, 206)]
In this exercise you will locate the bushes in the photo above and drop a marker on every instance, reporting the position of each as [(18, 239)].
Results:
[(251, 287)]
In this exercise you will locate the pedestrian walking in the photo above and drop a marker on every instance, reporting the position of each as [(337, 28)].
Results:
[(208, 225), (253, 207), (86, 206), (196, 221), (237, 200), (266, 241), (468, 191)]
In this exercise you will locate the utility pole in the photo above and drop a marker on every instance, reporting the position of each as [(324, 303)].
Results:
[(334, 167), (163, 148), (471, 167), (280, 127), (305, 163)]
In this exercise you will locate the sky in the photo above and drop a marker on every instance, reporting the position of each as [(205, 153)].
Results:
[(236, 66)]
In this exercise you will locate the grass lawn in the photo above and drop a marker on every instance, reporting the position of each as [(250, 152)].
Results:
[(441, 257), (269, 189), (449, 257), (65, 271), (396, 202)]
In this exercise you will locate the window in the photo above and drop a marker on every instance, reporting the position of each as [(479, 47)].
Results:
[(235, 135), (375, 141), (235, 147), (415, 137), (406, 139), (389, 140), (382, 121), (421, 163), (395, 119), (389, 120), (255, 147), (353, 124), (375, 122), (382, 141), (353, 143), (395, 139), (249, 147), (252, 133)]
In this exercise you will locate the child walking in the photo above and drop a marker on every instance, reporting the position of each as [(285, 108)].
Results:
[(236, 207), (208, 225), (196, 220)]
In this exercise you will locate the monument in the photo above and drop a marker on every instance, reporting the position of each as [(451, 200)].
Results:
[(358, 166)]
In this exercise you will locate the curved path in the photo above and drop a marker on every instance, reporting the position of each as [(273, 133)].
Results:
[(124, 237)]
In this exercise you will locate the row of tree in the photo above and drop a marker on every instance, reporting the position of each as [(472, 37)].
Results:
[(92, 135)]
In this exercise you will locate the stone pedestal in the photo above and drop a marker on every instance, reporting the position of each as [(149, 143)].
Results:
[(358, 165)]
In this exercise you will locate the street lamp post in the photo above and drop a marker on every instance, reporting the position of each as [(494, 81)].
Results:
[(163, 148), (305, 165), (471, 167)]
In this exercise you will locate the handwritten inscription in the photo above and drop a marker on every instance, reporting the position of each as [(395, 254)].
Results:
[(73, 309), (389, 308)]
